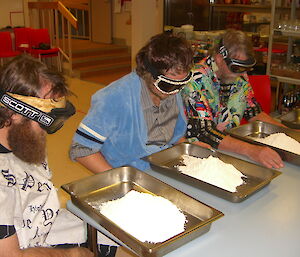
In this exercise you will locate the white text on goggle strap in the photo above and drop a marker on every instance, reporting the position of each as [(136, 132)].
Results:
[(26, 111)]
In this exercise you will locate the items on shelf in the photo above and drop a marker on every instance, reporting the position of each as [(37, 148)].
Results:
[(289, 25), (291, 100)]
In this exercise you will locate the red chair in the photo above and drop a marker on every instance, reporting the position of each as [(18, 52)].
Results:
[(22, 39), (261, 86), (38, 37), (6, 46)]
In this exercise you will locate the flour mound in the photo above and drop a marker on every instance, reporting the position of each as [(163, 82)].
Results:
[(213, 171), (147, 217), (281, 141)]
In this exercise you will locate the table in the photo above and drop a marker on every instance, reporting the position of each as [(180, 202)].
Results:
[(266, 224)]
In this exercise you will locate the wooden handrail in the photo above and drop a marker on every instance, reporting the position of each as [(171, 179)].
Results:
[(58, 6), (77, 4)]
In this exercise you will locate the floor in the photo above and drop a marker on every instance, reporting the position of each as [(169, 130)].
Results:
[(64, 170)]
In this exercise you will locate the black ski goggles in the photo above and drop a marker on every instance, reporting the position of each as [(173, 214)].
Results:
[(49, 113), (170, 86), (235, 65), (164, 84)]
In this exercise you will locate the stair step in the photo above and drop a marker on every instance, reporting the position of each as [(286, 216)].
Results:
[(100, 59), (107, 78), (111, 49), (103, 69)]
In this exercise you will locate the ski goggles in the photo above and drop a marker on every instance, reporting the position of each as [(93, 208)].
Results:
[(170, 86), (235, 65), (49, 113)]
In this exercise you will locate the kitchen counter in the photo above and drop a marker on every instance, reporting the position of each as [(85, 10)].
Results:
[(266, 224)]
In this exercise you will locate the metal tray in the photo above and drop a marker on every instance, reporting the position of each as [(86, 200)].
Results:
[(257, 176), (262, 129), (291, 119), (115, 183)]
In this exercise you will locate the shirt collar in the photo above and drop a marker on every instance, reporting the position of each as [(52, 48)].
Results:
[(4, 149)]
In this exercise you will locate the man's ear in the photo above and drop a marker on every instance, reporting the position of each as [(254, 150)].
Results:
[(16, 117)]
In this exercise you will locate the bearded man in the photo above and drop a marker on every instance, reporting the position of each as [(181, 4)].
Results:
[(32, 104)]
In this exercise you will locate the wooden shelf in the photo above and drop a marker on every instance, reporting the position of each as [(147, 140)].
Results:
[(288, 80), (279, 32), (240, 8)]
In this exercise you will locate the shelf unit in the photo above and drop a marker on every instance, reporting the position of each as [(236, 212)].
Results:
[(216, 9), (281, 75)]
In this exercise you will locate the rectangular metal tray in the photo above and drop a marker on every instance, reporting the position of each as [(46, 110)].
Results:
[(262, 129), (115, 183), (257, 176), (291, 119)]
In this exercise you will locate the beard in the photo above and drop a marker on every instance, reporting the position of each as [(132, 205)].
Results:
[(26, 143)]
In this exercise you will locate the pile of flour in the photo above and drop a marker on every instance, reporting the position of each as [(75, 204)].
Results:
[(147, 217), (213, 171), (282, 141)]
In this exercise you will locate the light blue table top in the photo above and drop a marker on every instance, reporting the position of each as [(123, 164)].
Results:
[(267, 224)]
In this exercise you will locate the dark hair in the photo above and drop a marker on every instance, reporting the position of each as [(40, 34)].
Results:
[(164, 52), (26, 76), (235, 41)]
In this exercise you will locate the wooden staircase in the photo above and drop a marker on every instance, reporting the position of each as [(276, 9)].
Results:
[(100, 63)]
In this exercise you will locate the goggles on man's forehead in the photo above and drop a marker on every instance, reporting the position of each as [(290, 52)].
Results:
[(235, 65), (164, 84), (49, 113)]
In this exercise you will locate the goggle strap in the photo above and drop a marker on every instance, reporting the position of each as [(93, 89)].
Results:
[(175, 82), (25, 110), (243, 64), (223, 51)]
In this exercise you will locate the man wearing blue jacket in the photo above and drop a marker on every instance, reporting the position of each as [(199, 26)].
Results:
[(139, 114)]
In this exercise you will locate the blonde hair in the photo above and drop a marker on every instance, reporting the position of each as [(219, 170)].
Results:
[(235, 41)]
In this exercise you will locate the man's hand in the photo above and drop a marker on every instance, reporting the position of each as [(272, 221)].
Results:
[(261, 154), (266, 156)]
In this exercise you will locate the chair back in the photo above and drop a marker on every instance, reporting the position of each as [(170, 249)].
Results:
[(261, 86), (38, 36), (5, 42), (22, 39)]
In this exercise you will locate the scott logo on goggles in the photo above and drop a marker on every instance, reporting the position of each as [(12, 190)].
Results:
[(26, 111)]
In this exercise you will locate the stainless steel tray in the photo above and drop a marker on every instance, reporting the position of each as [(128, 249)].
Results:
[(261, 129), (257, 176), (291, 119), (116, 183)]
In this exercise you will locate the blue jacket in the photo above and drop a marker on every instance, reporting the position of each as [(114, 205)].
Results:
[(115, 124)]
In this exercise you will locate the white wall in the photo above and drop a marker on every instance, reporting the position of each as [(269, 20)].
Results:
[(7, 7), (121, 26), (147, 21)]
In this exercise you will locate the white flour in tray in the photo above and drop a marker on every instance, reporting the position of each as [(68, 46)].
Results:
[(282, 141), (213, 171), (147, 217)]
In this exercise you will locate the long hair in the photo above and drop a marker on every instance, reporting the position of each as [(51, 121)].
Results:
[(26, 76), (164, 52)]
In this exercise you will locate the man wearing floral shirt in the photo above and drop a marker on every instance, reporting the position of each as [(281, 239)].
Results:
[(220, 96)]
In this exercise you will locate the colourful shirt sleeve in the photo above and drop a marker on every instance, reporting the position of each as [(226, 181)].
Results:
[(201, 125)]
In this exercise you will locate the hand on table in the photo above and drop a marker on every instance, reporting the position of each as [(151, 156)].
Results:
[(266, 156)]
